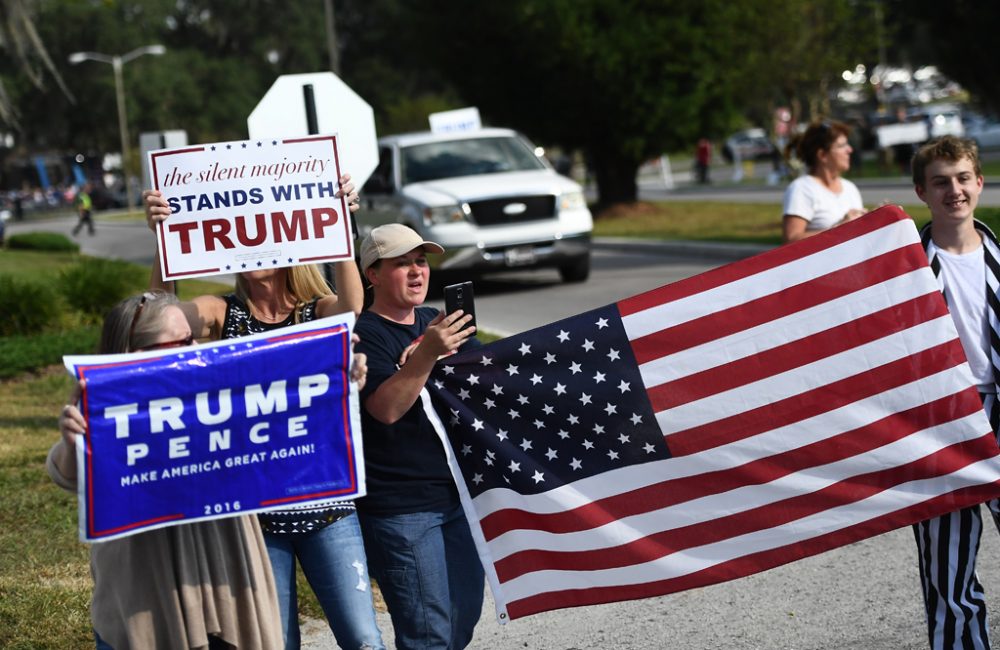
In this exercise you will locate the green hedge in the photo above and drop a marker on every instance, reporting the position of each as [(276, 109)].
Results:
[(48, 315), (95, 285), (26, 353), (28, 306), (989, 216), (42, 241)]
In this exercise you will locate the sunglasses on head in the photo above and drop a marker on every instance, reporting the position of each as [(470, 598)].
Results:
[(188, 340), (135, 316)]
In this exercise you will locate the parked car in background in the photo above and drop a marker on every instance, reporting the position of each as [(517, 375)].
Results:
[(984, 130), (487, 196), (750, 144), (942, 119)]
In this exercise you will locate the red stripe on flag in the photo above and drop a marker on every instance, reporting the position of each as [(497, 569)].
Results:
[(753, 563), (776, 257), (798, 353), (661, 544), (815, 402), (668, 493), (836, 284)]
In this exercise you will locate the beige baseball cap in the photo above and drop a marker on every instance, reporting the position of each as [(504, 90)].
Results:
[(392, 240)]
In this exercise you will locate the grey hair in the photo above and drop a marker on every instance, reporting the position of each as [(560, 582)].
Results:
[(118, 322)]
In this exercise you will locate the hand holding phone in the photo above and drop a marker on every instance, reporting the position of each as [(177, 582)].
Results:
[(459, 296)]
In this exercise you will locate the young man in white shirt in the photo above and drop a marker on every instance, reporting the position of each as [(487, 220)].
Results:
[(965, 258)]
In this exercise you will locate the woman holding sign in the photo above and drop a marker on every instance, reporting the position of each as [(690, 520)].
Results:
[(199, 585), (326, 541)]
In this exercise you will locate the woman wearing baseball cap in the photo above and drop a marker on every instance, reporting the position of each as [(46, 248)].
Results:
[(418, 542)]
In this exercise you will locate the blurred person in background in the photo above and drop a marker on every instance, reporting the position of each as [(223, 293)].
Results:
[(821, 198), (702, 159), (84, 208)]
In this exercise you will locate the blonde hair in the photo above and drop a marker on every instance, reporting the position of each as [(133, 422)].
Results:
[(305, 283), (948, 148)]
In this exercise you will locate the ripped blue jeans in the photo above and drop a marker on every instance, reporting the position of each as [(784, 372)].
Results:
[(333, 561)]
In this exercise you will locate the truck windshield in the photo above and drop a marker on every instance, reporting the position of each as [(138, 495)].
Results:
[(451, 158)]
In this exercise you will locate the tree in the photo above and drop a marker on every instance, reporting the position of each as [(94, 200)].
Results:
[(623, 80), (809, 45), (20, 41), (221, 57), (955, 36), (379, 62)]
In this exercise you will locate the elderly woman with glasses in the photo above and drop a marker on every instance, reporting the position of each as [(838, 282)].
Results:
[(198, 585), (326, 541), (821, 199)]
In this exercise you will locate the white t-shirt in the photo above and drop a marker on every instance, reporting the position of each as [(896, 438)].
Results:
[(806, 197), (965, 288)]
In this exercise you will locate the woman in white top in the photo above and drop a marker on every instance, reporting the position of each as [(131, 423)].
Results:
[(821, 199)]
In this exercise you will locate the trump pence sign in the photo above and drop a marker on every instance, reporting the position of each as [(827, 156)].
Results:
[(218, 430)]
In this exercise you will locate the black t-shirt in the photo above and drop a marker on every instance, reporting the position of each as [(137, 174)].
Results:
[(239, 322), (405, 465)]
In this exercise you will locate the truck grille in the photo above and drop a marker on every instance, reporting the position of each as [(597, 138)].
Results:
[(491, 212)]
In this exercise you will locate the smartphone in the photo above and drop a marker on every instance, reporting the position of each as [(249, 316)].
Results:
[(459, 296)]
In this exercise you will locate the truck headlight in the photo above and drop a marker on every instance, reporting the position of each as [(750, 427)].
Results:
[(446, 213), (572, 201)]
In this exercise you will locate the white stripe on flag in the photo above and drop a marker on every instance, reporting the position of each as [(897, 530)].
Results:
[(744, 290), (806, 378), (726, 504), (775, 441), (701, 557), (793, 327)]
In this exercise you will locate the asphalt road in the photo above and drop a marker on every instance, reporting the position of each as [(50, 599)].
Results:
[(514, 302), (861, 597)]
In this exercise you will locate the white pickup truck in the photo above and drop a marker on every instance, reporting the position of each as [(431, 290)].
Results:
[(486, 197)]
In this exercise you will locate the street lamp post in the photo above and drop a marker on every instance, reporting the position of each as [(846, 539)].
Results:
[(117, 62)]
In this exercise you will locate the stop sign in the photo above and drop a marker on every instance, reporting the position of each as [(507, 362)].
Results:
[(284, 112)]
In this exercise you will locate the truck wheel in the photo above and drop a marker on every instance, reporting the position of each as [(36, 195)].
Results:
[(578, 271)]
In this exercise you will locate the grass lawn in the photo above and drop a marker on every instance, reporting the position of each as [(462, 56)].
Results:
[(871, 168), (758, 223), (45, 576), (41, 264), (27, 262)]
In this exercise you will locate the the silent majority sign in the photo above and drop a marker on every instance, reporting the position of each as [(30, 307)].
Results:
[(217, 430), (250, 205)]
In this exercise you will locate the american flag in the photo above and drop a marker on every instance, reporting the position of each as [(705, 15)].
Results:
[(753, 415)]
